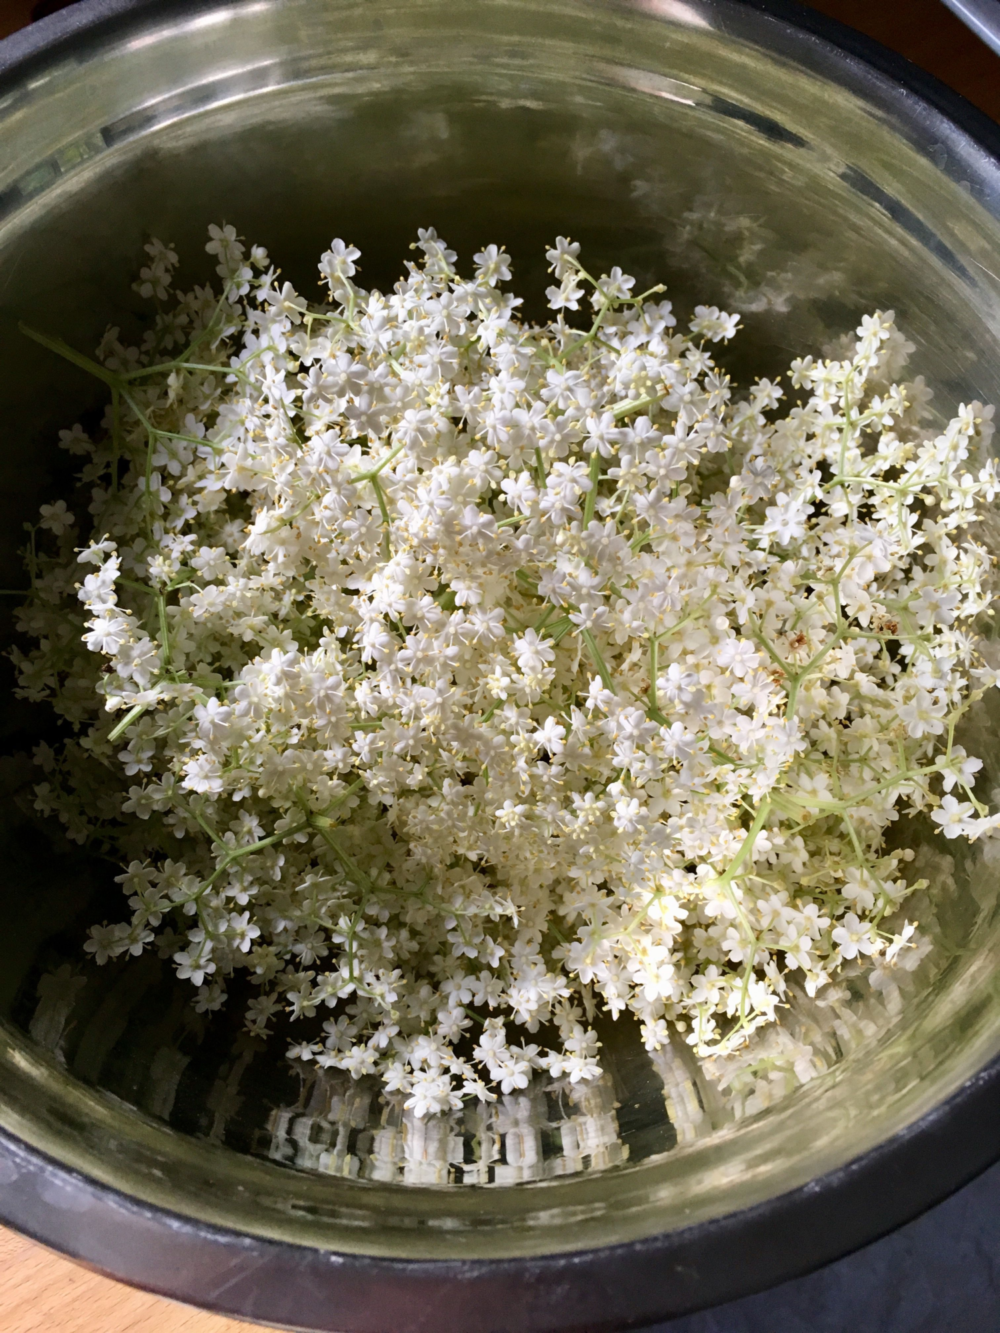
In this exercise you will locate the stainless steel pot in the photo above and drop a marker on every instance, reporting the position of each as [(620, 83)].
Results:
[(751, 154)]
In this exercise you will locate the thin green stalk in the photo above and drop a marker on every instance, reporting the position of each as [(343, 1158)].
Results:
[(634, 405), (200, 818), (768, 646), (372, 473), (70, 354), (290, 518), (748, 842), (539, 469), (599, 662), (544, 619), (127, 721), (351, 866), (591, 500), (183, 360), (380, 496), (686, 620), (32, 554), (847, 427), (161, 610), (348, 791), (236, 854), (654, 671)]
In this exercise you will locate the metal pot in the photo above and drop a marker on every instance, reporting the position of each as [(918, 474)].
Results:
[(750, 154)]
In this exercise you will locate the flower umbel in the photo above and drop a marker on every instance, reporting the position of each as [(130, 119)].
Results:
[(445, 673)]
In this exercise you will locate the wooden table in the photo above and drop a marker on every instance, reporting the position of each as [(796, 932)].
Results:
[(41, 1292)]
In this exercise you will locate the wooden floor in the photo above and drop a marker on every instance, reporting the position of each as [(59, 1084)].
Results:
[(41, 1292)]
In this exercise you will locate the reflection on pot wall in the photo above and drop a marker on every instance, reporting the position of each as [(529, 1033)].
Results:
[(342, 1127), (129, 1029)]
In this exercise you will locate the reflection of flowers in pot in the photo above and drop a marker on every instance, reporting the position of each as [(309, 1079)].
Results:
[(553, 1128), (58, 992), (345, 1126)]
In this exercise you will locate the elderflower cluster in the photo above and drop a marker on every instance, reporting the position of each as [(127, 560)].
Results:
[(449, 679)]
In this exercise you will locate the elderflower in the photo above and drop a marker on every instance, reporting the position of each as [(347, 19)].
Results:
[(438, 671)]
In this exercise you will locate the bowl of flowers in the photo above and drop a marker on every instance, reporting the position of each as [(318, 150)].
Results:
[(499, 803)]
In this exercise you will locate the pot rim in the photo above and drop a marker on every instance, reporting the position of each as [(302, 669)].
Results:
[(632, 1284), (588, 1291)]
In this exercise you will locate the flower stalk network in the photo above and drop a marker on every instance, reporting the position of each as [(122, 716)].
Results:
[(447, 675)]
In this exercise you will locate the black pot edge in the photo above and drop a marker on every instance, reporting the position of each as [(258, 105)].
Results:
[(631, 1285), (868, 52), (593, 1291)]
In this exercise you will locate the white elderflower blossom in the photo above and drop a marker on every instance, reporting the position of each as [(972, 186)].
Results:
[(467, 675)]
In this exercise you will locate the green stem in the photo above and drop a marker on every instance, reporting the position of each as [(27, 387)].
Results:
[(691, 615), (290, 518), (847, 426), (591, 500), (161, 608), (543, 620), (236, 854), (599, 662), (352, 868), (373, 472), (746, 848), (634, 405), (540, 469), (192, 346), (380, 496), (745, 984), (126, 721), (899, 779), (559, 629), (209, 829), (767, 645), (339, 800), (70, 354)]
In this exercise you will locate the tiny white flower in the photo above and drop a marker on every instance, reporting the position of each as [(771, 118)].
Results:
[(953, 816)]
